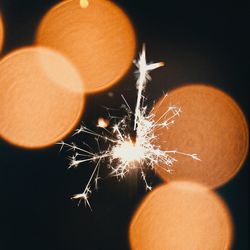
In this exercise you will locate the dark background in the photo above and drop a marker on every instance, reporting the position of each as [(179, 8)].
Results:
[(199, 44)]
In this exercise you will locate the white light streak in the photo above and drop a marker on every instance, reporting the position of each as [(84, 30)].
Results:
[(124, 152)]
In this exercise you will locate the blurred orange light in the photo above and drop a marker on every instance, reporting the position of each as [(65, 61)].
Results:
[(41, 97), (211, 125), (99, 39), (181, 216)]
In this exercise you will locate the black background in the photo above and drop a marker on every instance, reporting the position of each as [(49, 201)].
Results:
[(205, 43)]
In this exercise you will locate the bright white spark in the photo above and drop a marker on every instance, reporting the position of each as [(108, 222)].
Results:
[(123, 152)]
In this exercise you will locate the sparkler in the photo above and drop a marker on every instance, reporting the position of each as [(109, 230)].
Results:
[(125, 152)]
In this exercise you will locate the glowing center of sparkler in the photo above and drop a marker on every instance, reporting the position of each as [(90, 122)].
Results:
[(128, 151)]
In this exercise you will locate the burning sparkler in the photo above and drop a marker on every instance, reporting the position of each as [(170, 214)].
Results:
[(125, 152)]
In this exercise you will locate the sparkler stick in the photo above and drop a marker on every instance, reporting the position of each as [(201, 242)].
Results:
[(143, 70)]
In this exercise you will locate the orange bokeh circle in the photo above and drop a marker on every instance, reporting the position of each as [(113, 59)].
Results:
[(99, 39), (41, 97), (211, 125), (183, 216), (1, 32)]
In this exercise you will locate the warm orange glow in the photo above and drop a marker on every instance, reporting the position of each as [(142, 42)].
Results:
[(183, 216), (99, 40), (213, 126), (1, 33), (41, 97)]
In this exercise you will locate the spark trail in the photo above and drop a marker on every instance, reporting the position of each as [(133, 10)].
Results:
[(125, 153)]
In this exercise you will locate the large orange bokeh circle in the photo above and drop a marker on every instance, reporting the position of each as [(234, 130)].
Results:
[(211, 125), (99, 39), (1, 32), (181, 216), (41, 97)]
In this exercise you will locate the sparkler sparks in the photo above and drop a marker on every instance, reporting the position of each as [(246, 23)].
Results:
[(102, 123), (125, 152)]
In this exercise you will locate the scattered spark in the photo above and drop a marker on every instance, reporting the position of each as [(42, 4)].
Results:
[(102, 123), (126, 152)]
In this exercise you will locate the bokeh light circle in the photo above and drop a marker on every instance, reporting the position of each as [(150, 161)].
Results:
[(99, 39), (211, 125), (181, 216), (41, 97)]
